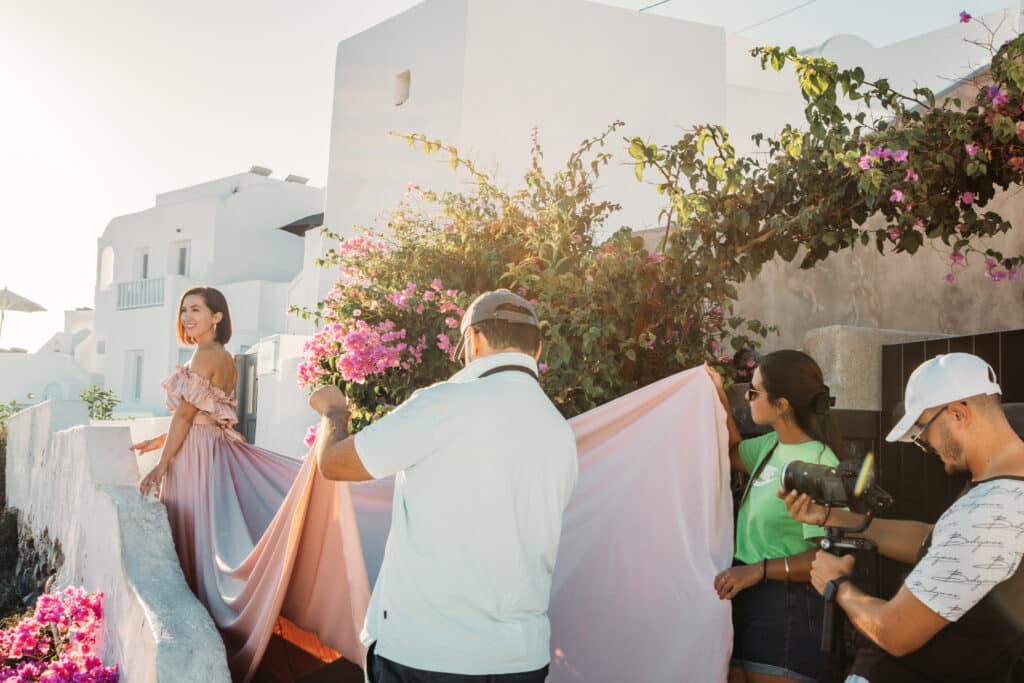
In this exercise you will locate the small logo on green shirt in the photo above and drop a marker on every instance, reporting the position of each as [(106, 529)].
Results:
[(768, 476)]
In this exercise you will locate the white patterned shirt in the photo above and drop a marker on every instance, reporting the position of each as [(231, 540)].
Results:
[(977, 544)]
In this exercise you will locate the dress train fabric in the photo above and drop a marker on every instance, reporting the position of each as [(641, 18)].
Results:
[(260, 535)]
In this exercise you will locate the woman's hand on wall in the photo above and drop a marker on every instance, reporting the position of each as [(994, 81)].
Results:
[(153, 480), (156, 443)]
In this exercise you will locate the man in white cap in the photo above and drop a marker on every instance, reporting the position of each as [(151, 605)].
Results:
[(959, 615), (485, 466)]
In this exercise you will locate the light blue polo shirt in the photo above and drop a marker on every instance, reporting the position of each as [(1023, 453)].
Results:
[(485, 468)]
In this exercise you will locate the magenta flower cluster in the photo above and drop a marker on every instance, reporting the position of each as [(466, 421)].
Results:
[(352, 347), (58, 642), (997, 275), (310, 438), (881, 154), (996, 96)]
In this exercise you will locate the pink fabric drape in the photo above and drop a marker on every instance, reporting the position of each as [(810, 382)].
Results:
[(646, 531), (261, 535), (648, 527)]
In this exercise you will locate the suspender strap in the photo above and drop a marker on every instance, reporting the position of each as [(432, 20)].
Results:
[(510, 368), (756, 473)]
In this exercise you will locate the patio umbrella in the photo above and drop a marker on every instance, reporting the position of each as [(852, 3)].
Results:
[(9, 301)]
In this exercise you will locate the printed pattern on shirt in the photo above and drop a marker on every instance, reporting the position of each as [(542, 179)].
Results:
[(977, 544)]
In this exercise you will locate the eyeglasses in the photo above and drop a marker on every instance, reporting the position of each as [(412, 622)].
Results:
[(752, 393), (916, 437)]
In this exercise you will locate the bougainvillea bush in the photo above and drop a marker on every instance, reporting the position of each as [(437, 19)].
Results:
[(609, 323), (58, 642)]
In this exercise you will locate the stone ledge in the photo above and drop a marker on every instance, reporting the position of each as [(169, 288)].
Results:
[(78, 486), (851, 360)]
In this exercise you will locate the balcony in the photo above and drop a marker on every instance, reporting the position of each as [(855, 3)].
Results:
[(140, 294)]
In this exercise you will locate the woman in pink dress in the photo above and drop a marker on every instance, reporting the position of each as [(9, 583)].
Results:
[(239, 514)]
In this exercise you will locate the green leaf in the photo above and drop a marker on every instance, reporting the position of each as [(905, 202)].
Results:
[(1003, 128), (636, 149), (638, 170)]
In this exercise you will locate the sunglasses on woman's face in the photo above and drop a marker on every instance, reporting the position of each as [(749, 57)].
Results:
[(752, 393)]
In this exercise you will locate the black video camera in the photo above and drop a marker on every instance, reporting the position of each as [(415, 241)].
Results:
[(850, 485)]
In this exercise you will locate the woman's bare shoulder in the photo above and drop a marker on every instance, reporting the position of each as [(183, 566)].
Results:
[(213, 363)]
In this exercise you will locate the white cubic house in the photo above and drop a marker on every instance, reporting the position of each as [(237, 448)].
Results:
[(226, 233)]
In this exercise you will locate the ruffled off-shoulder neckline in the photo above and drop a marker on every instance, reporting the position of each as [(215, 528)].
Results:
[(185, 384)]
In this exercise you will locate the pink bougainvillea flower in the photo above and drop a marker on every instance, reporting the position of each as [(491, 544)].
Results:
[(1013, 274), (543, 367), (957, 259), (965, 16), (997, 275), (950, 277), (911, 176), (900, 155), (655, 258), (893, 232), (864, 163), (997, 96), (896, 196), (967, 198), (310, 436), (971, 149)]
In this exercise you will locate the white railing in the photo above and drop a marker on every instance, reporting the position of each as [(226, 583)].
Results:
[(140, 294)]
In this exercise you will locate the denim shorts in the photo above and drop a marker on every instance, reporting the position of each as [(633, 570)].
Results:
[(777, 630)]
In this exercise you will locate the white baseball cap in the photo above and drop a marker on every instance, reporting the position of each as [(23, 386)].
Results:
[(944, 379)]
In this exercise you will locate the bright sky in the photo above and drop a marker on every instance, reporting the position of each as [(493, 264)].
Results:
[(107, 103)]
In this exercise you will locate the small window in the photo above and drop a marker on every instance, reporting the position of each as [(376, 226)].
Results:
[(180, 256), (133, 375), (106, 267), (141, 264), (402, 82)]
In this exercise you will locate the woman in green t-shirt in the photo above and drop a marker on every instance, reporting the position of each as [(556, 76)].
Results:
[(776, 612)]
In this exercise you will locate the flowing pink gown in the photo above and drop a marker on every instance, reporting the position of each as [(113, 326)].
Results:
[(259, 534)]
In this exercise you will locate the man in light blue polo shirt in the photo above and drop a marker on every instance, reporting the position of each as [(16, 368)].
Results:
[(484, 467)]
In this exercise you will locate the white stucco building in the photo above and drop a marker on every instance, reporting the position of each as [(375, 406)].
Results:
[(224, 233), (482, 74), (59, 370)]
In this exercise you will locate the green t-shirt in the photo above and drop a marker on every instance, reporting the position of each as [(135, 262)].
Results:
[(763, 528)]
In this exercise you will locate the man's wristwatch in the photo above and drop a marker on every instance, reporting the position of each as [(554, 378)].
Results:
[(832, 587)]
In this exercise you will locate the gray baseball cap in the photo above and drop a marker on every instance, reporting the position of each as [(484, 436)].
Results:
[(501, 304)]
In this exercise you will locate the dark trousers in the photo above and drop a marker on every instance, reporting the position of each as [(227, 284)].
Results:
[(381, 670)]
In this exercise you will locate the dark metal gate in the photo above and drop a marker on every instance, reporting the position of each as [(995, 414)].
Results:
[(246, 392)]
